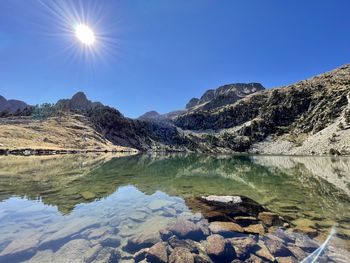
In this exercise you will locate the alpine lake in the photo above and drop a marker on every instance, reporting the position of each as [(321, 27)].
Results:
[(155, 208)]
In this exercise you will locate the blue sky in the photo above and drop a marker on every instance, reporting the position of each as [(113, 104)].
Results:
[(156, 55)]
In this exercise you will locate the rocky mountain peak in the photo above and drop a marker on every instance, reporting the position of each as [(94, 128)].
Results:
[(79, 101), (224, 95)]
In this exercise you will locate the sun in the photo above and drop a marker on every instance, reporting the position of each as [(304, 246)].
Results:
[(85, 34)]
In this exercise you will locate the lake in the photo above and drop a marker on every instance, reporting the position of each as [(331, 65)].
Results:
[(108, 208)]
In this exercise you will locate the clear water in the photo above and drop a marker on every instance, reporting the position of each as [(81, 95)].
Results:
[(76, 208)]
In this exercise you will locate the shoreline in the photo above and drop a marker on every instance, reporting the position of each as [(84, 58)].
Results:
[(45, 151)]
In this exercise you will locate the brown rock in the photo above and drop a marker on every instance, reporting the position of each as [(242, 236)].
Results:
[(245, 220), (157, 253), (244, 246), (269, 218), (253, 259), (264, 253), (188, 244), (306, 230), (255, 229), (225, 229), (286, 260), (185, 229), (181, 255), (202, 259), (297, 252), (217, 248)]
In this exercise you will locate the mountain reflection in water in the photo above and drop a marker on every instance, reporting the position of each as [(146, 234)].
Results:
[(46, 200)]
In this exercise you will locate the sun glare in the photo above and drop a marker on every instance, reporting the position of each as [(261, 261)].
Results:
[(85, 34)]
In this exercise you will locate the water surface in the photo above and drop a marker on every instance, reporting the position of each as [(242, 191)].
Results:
[(85, 208)]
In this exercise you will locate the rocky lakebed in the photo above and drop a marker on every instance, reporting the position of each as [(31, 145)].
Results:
[(80, 217)]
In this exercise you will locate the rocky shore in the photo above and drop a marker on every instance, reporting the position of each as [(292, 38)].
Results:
[(28, 151)]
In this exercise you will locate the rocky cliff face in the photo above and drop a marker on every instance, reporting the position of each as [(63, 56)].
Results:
[(299, 111), (11, 105), (224, 95)]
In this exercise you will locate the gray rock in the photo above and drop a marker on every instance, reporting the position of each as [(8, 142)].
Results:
[(244, 246), (140, 255), (189, 244)]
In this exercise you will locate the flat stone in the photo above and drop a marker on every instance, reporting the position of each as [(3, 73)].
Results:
[(142, 241), (157, 253), (223, 199), (186, 229), (218, 249), (297, 252), (72, 251), (169, 212), (285, 236), (269, 218), (276, 246), (226, 229), (138, 216), (159, 204), (28, 240), (286, 260), (255, 229), (69, 229), (181, 255), (244, 246), (264, 253)]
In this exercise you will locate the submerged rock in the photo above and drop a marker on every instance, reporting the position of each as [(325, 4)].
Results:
[(142, 241), (276, 246), (186, 229), (157, 253), (181, 255), (218, 249), (226, 229)]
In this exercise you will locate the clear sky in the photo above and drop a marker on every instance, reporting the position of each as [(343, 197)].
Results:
[(157, 54)]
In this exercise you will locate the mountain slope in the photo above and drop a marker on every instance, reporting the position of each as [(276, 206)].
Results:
[(294, 112), (11, 105)]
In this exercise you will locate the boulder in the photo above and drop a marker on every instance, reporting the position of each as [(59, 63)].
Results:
[(157, 253), (254, 259), (181, 255), (218, 249), (159, 204), (189, 244), (276, 246), (306, 243), (297, 252), (186, 229), (244, 246)]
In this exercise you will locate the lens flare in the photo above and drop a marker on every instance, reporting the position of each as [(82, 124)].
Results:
[(85, 34)]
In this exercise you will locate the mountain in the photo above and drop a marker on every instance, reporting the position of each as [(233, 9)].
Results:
[(78, 102), (211, 99), (11, 105), (224, 95), (309, 117)]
